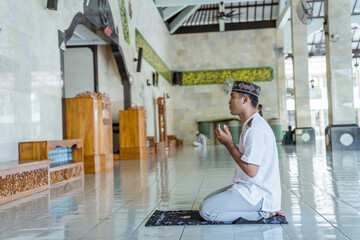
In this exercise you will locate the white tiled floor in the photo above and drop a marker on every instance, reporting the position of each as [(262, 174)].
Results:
[(321, 197)]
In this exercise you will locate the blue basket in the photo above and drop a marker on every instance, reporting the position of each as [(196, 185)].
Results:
[(61, 156)]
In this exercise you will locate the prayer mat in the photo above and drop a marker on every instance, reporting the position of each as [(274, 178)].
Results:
[(190, 217)]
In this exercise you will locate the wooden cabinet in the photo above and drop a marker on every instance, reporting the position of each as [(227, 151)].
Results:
[(132, 133), (88, 116)]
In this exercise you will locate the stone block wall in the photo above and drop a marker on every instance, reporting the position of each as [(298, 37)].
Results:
[(207, 51)]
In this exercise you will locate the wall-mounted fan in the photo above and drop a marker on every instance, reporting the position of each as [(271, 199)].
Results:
[(279, 51), (228, 85), (304, 11)]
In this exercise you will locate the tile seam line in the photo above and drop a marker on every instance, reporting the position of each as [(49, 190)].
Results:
[(284, 230), (161, 201), (144, 189), (317, 212), (329, 169), (197, 194), (334, 196), (130, 201), (129, 185), (27, 220)]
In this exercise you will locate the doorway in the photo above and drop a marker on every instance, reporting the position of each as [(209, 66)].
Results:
[(80, 73), (79, 65)]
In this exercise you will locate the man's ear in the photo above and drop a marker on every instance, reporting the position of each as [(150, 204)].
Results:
[(246, 98)]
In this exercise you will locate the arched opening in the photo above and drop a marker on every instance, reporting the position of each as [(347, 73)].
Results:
[(78, 44)]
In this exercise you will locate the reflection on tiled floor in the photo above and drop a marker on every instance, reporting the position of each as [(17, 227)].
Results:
[(321, 197)]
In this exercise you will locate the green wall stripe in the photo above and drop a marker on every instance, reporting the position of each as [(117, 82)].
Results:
[(152, 57), (124, 21)]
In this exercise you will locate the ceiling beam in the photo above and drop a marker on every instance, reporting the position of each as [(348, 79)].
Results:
[(283, 14), (228, 27), (182, 17), (173, 3), (168, 12)]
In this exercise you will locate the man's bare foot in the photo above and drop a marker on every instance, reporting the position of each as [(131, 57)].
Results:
[(277, 213)]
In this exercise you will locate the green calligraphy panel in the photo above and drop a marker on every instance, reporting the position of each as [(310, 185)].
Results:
[(258, 74), (124, 21)]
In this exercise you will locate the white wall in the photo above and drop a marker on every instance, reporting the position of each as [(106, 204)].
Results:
[(110, 80), (78, 71), (30, 81)]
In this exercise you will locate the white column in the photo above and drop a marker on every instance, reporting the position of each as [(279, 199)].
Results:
[(339, 61), (300, 68), (280, 65)]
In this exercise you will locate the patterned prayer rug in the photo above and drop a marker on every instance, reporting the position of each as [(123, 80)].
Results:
[(190, 217)]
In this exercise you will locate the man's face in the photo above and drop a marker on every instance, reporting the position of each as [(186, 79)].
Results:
[(236, 103)]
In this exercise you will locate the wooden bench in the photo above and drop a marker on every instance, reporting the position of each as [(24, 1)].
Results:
[(156, 147), (177, 142), (21, 180), (160, 147), (172, 144), (63, 170), (151, 146)]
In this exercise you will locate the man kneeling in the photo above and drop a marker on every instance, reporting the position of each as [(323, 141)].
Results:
[(256, 192)]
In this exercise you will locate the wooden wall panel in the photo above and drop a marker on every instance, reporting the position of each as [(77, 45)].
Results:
[(81, 122), (132, 133)]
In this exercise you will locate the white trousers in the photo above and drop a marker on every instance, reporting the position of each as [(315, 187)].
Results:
[(227, 204)]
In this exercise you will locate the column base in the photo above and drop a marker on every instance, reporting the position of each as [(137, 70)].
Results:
[(342, 137), (305, 136)]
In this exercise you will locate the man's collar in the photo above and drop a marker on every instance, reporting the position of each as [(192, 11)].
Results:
[(250, 118)]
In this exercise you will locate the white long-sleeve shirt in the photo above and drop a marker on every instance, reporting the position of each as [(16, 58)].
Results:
[(202, 139), (258, 146)]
